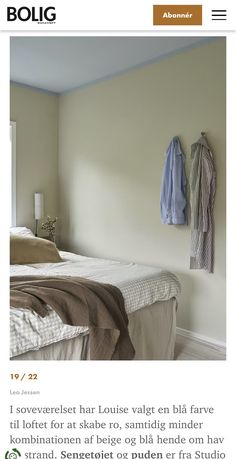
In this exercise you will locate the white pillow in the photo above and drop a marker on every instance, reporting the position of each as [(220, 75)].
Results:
[(21, 231)]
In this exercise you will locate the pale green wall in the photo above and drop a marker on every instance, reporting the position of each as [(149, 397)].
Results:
[(36, 116), (112, 140)]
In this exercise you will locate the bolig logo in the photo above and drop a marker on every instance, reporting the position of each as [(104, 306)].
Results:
[(36, 14)]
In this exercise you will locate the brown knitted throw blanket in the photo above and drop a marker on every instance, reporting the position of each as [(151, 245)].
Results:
[(83, 302)]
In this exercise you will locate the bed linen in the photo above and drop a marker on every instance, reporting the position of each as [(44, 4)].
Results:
[(140, 286), (83, 302), (152, 331)]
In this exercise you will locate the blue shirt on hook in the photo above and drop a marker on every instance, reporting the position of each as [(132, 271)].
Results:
[(173, 203)]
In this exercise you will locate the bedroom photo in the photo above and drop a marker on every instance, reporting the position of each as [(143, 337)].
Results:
[(118, 198)]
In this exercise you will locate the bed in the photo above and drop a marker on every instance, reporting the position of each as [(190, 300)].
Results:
[(150, 297)]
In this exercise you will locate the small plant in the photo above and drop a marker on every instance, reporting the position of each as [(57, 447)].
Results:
[(50, 227)]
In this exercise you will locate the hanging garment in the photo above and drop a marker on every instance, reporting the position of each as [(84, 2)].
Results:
[(202, 189), (173, 201)]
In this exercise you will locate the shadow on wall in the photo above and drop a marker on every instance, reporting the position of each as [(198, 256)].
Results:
[(184, 303)]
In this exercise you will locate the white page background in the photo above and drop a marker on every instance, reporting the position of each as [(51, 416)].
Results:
[(155, 383)]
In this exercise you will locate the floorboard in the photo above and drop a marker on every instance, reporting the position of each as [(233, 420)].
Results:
[(190, 349)]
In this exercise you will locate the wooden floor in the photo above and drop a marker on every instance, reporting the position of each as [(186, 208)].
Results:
[(190, 349)]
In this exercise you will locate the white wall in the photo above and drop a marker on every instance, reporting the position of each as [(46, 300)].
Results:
[(36, 116), (112, 140)]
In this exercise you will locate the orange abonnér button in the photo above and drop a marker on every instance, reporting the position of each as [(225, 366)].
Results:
[(177, 15)]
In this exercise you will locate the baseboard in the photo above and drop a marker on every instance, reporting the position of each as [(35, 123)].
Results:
[(219, 345)]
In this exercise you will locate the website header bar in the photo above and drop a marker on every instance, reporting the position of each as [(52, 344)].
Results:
[(110, 15)]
